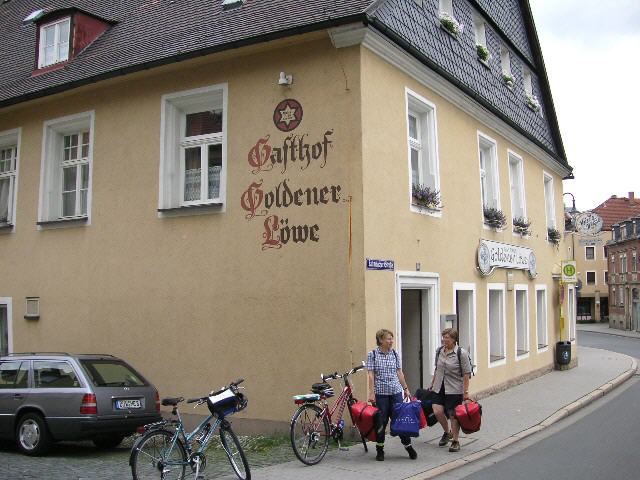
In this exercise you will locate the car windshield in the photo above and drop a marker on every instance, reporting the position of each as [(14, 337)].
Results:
[(112, 373)]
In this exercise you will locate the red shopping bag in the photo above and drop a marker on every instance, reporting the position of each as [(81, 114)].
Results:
[(423, 419), (469, 416)]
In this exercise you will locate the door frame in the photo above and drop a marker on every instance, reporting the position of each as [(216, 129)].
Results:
[(429, 281), (468, 287), (8, 303)]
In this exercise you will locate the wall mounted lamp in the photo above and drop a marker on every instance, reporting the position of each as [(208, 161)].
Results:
[(285, 79)]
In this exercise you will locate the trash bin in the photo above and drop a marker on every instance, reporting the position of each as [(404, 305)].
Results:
[(563, 353)]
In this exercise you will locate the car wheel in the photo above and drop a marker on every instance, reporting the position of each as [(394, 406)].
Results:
[(32, 435), (108, 441)]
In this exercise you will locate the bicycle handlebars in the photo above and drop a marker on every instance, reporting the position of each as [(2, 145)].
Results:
[(336, 375), (232, 386)]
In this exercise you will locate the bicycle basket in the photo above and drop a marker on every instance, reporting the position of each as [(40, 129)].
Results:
[(323, 389), (227, 403)]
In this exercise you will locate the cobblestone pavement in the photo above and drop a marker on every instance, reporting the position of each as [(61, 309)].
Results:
[(83, 461)]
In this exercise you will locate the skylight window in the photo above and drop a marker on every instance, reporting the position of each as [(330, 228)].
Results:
[(230, 4), (54, 42), (33, 16)]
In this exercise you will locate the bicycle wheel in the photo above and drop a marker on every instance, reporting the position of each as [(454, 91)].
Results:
[(234, 451), (310, 434), (154, 458)]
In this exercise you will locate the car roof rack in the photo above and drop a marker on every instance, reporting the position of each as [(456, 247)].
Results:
[(17, 354)]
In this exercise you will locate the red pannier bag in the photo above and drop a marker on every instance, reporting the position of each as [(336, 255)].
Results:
[(365, 417), (469, 416)]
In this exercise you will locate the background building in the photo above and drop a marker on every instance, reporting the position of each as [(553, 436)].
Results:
[(213, 193), (624, 284), (590, 253)]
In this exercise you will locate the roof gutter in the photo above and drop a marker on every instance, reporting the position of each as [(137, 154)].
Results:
[(329, 23)]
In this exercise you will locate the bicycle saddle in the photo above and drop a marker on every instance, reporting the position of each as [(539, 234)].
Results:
[(173, 401)]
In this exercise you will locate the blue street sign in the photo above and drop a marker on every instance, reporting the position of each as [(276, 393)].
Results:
[(373, 264)]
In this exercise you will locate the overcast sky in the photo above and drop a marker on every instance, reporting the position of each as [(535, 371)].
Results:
[(591, 51)]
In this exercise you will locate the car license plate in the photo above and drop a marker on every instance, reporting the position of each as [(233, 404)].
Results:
[(127, 404)]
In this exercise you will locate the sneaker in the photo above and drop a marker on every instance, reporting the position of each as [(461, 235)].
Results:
[(446, 437), (412, 453), (380, 454), (455, 446)]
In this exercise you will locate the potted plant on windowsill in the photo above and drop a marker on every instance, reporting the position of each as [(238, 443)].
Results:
[(494, 218), (521, 226), (553, 235), (425, 196), (508, 80), (532, 102), (451, 25), (483, 54)]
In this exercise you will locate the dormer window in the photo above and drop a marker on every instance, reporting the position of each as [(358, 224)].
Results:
[(54, 42), (62, 35)]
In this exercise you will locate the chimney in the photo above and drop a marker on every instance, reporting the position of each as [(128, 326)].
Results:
[(630, 195)]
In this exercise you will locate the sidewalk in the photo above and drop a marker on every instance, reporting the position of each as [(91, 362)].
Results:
[(507, 417), (604, 328)]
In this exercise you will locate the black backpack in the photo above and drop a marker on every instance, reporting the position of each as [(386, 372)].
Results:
[(473, 367)]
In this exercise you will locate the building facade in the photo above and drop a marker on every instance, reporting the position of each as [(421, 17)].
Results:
[(624, 282), (590, 253), (214, 205)]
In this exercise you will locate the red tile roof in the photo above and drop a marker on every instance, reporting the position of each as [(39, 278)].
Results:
[(616, 209)]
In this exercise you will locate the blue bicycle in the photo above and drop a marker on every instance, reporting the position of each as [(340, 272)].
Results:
[(166, 450)]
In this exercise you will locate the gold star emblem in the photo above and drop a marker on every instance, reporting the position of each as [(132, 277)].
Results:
[(288, 115)]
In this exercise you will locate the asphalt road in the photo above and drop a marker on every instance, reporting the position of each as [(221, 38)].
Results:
[(601, 442)]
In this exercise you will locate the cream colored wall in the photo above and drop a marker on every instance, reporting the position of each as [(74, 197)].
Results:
[(599, 264), (193, 301), (447, 245)]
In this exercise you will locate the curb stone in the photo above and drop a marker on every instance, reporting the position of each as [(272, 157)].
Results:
[(552, 419)]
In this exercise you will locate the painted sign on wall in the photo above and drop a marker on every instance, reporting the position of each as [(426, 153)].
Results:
[(495, 254), (299, 152)]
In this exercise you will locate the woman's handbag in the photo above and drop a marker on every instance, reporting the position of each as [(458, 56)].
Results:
[(405, 419)]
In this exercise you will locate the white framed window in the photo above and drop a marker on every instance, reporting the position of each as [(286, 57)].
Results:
[(446, 6), (614, 299), (422, 144), (66, 171), (541, 317), (549, 200), (505, 61), (479, 30), (193, 148), (496, 326), (464, 306), (521, 293), (516, 181), (613, 264), (621, 297), (623, 263), (6, 330), (606, 277), (54, 42), (590, 277), (589, 253), (528, 84), (9, 153), (489, 181), (634, 262)]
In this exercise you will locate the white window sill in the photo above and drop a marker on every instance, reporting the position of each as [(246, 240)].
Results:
[(6, 226), (498, 363), (494, 229), (193, 209), (485, 62), (63, 222), (432, 212), (453, 35), (522, 235), (522, 356)]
